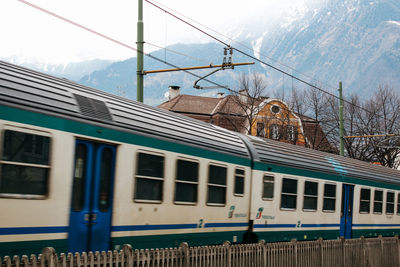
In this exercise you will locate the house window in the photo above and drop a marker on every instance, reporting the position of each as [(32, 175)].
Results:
[(365, 199), (310, 196), (24, 164), (378, 201), (289, 194), (275, 109), (149, 177), (329, 197), (260, 129), (187, 180), (239, 182), (274, 132), (389, 202), (268, 187), (216, 185), (291, 133)]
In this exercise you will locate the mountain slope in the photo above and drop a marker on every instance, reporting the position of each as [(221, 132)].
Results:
[(354, 41)]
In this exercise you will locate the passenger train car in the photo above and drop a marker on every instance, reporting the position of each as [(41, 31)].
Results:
[(84, 170)]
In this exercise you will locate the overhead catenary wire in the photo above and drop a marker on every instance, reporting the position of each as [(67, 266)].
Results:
[(238, 50), (174, 51), (239, 43), (175, 66), (253, 57), (118, 42), (232, 40)]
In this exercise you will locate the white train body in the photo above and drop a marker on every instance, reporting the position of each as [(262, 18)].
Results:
[(84, 170)]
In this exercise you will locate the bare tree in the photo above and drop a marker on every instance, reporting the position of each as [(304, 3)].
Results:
[(377, 115), (242, 107), (385, 107), (311, 106)]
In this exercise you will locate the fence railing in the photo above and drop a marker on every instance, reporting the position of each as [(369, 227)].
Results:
[(361, 252)]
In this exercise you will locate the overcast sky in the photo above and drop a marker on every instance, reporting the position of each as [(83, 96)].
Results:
[(30, 34)]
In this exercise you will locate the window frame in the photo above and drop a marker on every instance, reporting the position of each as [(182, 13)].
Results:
[(310, 196), (186, 182), (363, 200), (150, 178), (260, 129), (48, 167), (289, 194), (275, 132), (329, 197), (243, 176), (381, 202), (273, 187), (292, 133), (216, 185), (387, 202)]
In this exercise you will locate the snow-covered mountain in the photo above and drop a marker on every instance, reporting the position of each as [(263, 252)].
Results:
[(321, 41), (354, 41)]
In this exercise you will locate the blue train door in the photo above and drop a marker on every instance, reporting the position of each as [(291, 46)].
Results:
[(91, 202), (346, 219)]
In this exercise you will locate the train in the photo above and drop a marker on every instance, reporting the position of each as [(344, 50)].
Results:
[(85, 170)]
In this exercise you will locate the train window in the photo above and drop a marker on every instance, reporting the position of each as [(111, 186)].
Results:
[(329, 198), (268, 188), (365, 200), (310, 196), (149, 177), (24, 164), (239, 182), (78, 188), (216, 185), (289, 194), (398, 204), (378, 201), (389, 202), (187, 179)]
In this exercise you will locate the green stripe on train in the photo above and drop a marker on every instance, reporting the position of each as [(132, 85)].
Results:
[(32, 247), (174, 240), (56, 123)]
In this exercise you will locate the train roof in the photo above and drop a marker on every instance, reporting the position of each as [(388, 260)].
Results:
[(34, 91), (287, 155), (27, 89)]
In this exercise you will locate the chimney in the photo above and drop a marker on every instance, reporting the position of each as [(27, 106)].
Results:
[(173, 91), (243, 95), (220, 95)]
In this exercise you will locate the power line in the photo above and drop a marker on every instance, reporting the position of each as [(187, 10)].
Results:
[(243, 45), (118, 42), (175, 66), (253, 57), (174, 51), (238, 50)]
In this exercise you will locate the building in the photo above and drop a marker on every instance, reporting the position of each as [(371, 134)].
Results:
[(270, 118)]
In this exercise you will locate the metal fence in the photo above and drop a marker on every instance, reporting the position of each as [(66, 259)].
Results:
[(323, 253)]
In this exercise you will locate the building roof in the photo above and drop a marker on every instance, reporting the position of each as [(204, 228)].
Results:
[(191, 104), (229, 104)]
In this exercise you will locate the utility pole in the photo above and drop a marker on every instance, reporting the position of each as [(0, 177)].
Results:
[(341, 120), (139, 58)]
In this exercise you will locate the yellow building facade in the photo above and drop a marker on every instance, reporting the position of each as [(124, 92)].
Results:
[(275, 120)]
